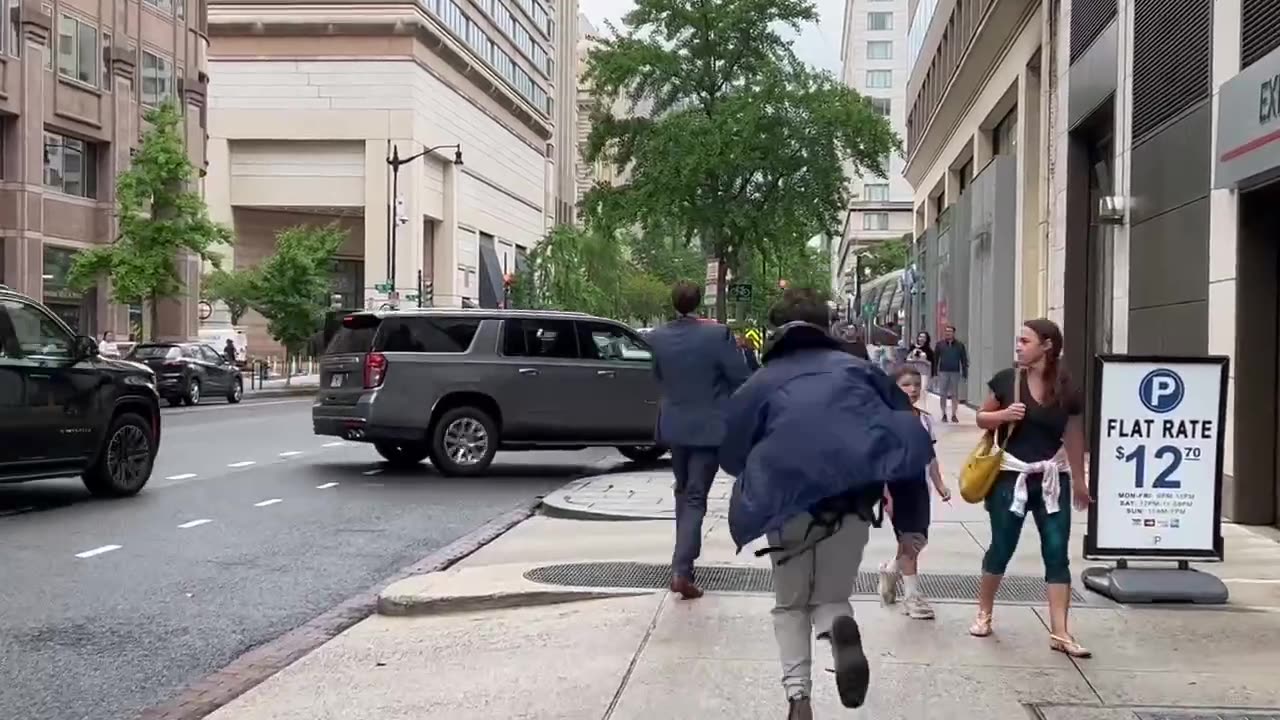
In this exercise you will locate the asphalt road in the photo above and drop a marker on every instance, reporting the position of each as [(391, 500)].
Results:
[(250, 527)]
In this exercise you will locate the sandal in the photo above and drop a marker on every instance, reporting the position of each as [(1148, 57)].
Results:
[(981, 626), (1067, 645)]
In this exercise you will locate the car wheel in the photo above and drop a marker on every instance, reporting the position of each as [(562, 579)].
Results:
[(402, 454), (236, 392), (193, 392), (124, 462), (642, 454), (464, 441)]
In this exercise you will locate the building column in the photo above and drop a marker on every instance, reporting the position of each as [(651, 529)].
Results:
[(123, 136), (1026, 286), (24, 253), (217, 196), (377, 192), (445, 263)]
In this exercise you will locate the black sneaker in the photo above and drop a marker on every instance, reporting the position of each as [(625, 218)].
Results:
[(955, 419), (853, 674), (799, 709)]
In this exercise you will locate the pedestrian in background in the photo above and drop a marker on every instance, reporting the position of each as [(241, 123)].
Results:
[(921, 357), (108, 347), (812, 439), (1043, 406), (953, 370), (852, 342), (910, 515), (698, 365)]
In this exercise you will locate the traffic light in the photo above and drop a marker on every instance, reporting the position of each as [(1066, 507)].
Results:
[(428, 293)]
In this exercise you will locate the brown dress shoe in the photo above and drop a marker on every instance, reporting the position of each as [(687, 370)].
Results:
[(685, 588)]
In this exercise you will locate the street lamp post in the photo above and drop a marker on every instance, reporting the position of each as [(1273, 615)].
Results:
[(395, 161)]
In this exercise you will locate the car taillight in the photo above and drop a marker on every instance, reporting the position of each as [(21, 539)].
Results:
[(375, 369)]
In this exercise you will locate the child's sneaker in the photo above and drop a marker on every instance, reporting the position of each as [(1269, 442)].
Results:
[(917, 608), (888, 585)]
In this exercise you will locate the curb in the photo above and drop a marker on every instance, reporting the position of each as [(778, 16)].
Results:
[(564, 512), (280, 392), (418, 606), (252, 668)]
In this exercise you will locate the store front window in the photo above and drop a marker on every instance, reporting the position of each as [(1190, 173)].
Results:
[(75, 308)]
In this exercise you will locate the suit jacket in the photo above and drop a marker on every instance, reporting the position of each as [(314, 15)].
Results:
[(698, 366)]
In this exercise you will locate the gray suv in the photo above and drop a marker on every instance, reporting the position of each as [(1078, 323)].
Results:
[(458, 385)]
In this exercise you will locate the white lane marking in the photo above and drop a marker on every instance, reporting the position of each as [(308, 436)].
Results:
[(326, 486), (183, 476), (98, 551), (290, 453), (265, 503), (195, 523), (375, 471), (338, 443), (242, 463)]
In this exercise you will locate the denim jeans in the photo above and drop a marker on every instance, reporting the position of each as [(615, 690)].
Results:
[(1006, 527), (695, 469)]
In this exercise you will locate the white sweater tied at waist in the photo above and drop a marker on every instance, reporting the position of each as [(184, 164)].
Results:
[(1050, 486)]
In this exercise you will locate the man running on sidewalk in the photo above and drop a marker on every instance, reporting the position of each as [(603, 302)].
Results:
[(698, 366), (812, 438)]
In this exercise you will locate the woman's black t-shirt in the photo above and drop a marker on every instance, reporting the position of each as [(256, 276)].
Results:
[(1038, 435)]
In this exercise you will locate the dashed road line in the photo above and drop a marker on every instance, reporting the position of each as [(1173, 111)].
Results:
[(338, 443), (265, 503), (326, 486), (98, 551), (375, 471), (242, 463), (183, 476), (291, 453), (194, 523)]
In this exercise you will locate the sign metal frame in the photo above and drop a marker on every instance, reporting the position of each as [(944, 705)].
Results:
[(1092, 550)]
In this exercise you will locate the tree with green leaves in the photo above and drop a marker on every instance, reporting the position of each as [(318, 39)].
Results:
[(161, 217), (743, 146), (233, 288), (885, 257), (290, 288)]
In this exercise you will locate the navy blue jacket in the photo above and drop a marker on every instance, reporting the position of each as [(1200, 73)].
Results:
[(698, 366), (814, 423)]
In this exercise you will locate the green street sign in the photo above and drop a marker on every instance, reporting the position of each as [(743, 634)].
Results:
[(740, 292), (383, 287), (411, 297)]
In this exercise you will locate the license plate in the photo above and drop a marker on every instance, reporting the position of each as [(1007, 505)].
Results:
[(337, 379)]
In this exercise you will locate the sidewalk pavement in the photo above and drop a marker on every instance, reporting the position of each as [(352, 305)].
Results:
[(276, 387), (482, 640)]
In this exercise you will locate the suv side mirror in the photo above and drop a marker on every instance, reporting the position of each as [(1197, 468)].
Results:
[(85, 347)]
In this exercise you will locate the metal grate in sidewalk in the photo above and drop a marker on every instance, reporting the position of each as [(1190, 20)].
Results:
[(720, 578), (1209, 715)]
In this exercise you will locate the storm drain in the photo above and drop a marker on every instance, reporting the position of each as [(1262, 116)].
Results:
[(719, 578)]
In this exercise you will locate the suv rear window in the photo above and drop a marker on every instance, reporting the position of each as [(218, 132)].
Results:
[(171, 352), (354, 335), (427, 334)]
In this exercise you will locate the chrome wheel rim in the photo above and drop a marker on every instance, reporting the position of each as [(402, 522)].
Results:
[(466, 442), (194, 392), (127, 456), (238, 390)]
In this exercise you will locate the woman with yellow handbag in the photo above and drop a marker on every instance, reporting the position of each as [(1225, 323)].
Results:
[(1039, 411)]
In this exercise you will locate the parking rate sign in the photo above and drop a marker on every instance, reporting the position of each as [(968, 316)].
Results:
[(1157, 472)]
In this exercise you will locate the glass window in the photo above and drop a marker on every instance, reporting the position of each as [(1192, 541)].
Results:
[(1004, 140), (77, 50), (879, 78), (540, 338), (70, 165), (882, 105), (157, 79), (427, 334), (106, 62), (210, 355), (875, 221), (601, 341), (354, 336), (165, 6), (880, 50), (875, 192), (28, 332), (165, 352), (879, 21)]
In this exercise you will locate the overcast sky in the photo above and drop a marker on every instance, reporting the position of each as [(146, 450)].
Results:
[(818, 44)]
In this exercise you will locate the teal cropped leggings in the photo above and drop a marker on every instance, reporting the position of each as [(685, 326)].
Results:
[(1055, 528)]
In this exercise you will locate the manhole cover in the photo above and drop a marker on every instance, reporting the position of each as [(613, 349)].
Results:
[(1014, 589), (1208, 715)]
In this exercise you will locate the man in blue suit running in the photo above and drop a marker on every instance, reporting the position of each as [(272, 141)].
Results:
[(698, 366)]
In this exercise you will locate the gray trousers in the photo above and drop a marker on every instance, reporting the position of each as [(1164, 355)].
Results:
[(695, 469), (811, 590)]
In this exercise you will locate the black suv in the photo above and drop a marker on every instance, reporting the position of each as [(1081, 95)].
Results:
[(187, 372), (66, 410)]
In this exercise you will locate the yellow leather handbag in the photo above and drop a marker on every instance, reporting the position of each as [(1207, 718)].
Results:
[(983, 466)]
